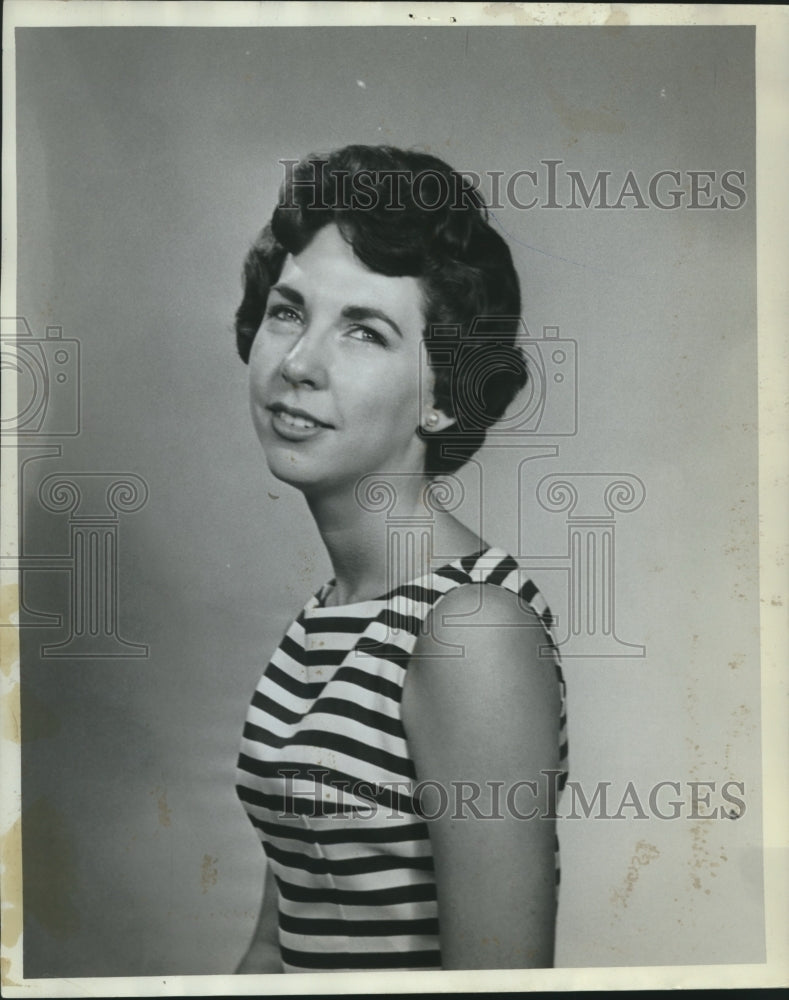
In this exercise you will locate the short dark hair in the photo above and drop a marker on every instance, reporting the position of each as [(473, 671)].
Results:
[(409, 213)]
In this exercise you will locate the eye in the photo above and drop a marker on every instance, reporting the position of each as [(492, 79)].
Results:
[(368, 335), (283, 312)]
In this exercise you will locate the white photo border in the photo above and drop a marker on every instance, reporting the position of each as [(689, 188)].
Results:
[(772, 44)]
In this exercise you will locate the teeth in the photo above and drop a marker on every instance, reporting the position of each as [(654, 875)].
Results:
[(292, 421)]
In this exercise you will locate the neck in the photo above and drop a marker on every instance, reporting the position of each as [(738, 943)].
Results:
[(355, 527)]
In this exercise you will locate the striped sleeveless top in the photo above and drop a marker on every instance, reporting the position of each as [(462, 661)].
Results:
[(325, 775)]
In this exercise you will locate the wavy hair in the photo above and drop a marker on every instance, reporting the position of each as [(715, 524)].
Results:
[(409, 213)]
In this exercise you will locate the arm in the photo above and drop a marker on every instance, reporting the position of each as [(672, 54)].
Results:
[(263, 955), (489, 713)]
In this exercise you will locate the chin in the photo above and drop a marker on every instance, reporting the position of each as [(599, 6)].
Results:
[(316, 474), (289, 470), (297, 470)]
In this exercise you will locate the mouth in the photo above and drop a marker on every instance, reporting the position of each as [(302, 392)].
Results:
[(294, 423)]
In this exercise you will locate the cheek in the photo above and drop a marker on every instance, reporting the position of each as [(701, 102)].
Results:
[(262, 362), (396, 404), (427, 377)]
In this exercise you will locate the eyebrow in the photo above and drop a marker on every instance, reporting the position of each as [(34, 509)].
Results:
[(358, 314), (361, 313), (290, 294)]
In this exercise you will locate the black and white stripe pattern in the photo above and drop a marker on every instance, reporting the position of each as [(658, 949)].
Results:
[(325, 775)]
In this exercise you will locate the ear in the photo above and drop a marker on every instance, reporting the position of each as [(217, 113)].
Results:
[(434, 420)]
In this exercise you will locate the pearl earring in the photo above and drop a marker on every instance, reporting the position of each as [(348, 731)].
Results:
[(431, 420)]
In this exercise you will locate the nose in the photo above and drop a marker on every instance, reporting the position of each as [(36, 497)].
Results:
[(304, 363)]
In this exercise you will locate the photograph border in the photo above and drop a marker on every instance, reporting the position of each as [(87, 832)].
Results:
[(772, 44)]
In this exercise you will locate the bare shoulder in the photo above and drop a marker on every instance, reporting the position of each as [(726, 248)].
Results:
[(482, 674), (489, 603), (483, 624), (481, 714)]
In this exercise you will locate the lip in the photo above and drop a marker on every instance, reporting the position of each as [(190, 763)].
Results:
[(285, 429)]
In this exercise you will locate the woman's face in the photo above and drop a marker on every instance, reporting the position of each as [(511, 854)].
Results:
[(335, 370)]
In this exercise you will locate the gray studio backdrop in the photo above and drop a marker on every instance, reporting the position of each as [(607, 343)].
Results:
[(147, 161)]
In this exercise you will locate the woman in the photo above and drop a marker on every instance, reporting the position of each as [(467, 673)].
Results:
[(403, 748)]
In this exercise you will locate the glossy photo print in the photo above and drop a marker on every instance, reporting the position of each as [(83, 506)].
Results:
[(383, 602)]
